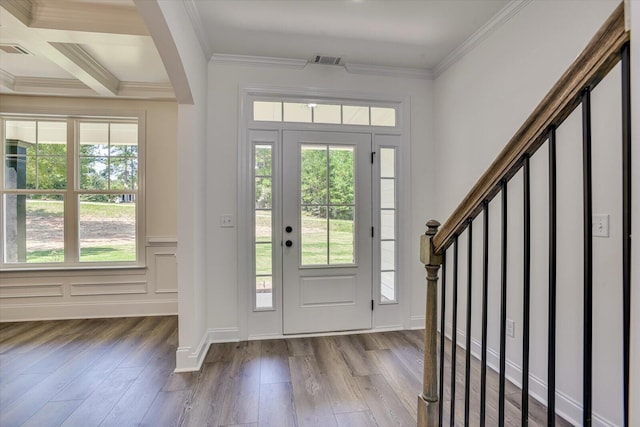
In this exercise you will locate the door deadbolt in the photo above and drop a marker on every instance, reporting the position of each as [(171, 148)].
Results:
[(288, 229)]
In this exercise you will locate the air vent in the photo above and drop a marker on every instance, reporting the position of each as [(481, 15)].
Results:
[(327, 60), (14, 48)]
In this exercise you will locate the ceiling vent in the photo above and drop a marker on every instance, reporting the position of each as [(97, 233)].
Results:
[(327, 60), (14, 48)]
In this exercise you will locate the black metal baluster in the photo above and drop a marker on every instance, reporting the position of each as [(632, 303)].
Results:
[(442, 335), (503, 305), (626, 223), (524, 412), (588, 259), (467, 374), (454, 330), (485, 282), (551, 355)]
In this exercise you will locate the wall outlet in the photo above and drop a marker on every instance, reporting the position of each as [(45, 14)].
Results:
[(511, 328), (227, 221), (600, 226)]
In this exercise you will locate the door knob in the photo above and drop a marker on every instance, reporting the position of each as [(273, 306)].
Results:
[(288, 243), (288, 229)]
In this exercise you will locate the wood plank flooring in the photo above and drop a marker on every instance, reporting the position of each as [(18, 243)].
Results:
[(119, 372)]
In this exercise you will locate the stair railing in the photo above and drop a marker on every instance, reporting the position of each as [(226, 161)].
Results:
[(609, 46)]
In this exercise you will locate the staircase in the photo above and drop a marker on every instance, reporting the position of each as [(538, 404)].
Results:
[(439, 248)]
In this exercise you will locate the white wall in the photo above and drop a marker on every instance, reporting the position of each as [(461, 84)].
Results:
[(152, 291), (225, 81), (178, 45), (479, 104)]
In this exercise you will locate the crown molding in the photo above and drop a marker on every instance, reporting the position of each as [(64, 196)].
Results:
[(198, 26), (380, 70), (220, 58), (51, 86), (73, 87), (7, 79), (146, 90), (499, 19), (93, 17), (105, 80)]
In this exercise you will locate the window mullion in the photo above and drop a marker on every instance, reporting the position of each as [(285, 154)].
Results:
[(71, 224)]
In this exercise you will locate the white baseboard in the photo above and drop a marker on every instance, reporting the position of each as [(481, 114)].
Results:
[(566, 406), (417, 322), (189, 359), (87, 310), (217, 335)]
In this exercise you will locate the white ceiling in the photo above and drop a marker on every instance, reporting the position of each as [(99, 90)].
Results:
[(397, 33), (102, 47)]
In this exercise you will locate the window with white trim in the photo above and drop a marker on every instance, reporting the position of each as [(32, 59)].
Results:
[(321, 113), (69, 194)]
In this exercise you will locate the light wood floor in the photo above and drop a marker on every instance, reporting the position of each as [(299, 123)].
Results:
[(119, 372)]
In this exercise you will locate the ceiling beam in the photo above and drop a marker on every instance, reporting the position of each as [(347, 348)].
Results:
[(70, 57), (91, 17), (96, 71)]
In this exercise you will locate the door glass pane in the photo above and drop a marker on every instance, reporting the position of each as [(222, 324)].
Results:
[(341, 235), (313, 174), (297, 112), (263, 259), (388, 224), (267, 111), (33, 228), (314, 236), (387, 193), (341, 175), (263, 226), (383, 116), (330, 114), (263, 193), (355, 115), (387, 255), (387, 162), (107, 228), (264, 292), (263, 160), (387, 286), (263, 166)]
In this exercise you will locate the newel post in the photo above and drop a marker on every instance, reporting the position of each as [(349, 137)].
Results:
[(428, 400)]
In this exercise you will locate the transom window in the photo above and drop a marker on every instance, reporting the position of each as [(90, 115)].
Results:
[(69, 193), (311, 112)]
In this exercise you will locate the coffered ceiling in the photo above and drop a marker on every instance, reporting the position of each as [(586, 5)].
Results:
[(78, 48)]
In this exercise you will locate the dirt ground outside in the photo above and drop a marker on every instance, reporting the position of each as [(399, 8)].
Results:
[(47, 233)]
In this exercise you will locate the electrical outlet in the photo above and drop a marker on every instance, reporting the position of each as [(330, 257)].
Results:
[(511, 328), (600, 226), (227, 221)]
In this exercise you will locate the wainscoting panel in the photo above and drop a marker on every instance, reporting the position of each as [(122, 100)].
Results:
[(66, 294)]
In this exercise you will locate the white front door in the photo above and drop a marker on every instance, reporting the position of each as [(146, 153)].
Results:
[(327, 242)]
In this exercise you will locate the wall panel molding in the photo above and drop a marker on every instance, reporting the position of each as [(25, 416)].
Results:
[(108, 288), (31, 290), (87, 310)]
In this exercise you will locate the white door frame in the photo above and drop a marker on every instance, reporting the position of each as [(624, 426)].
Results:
[(264, 324)]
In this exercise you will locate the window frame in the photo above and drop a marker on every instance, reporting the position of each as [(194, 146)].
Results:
[(73, 191)]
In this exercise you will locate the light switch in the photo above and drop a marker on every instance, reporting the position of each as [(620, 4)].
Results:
[(227, 221), (600, 226)]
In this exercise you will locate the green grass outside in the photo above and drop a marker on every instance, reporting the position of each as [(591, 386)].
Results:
[(54, 208), (97, 211), (314, 242), (97, 254)]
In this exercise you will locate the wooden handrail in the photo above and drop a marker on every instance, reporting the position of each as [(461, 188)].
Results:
[(595, 61)]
